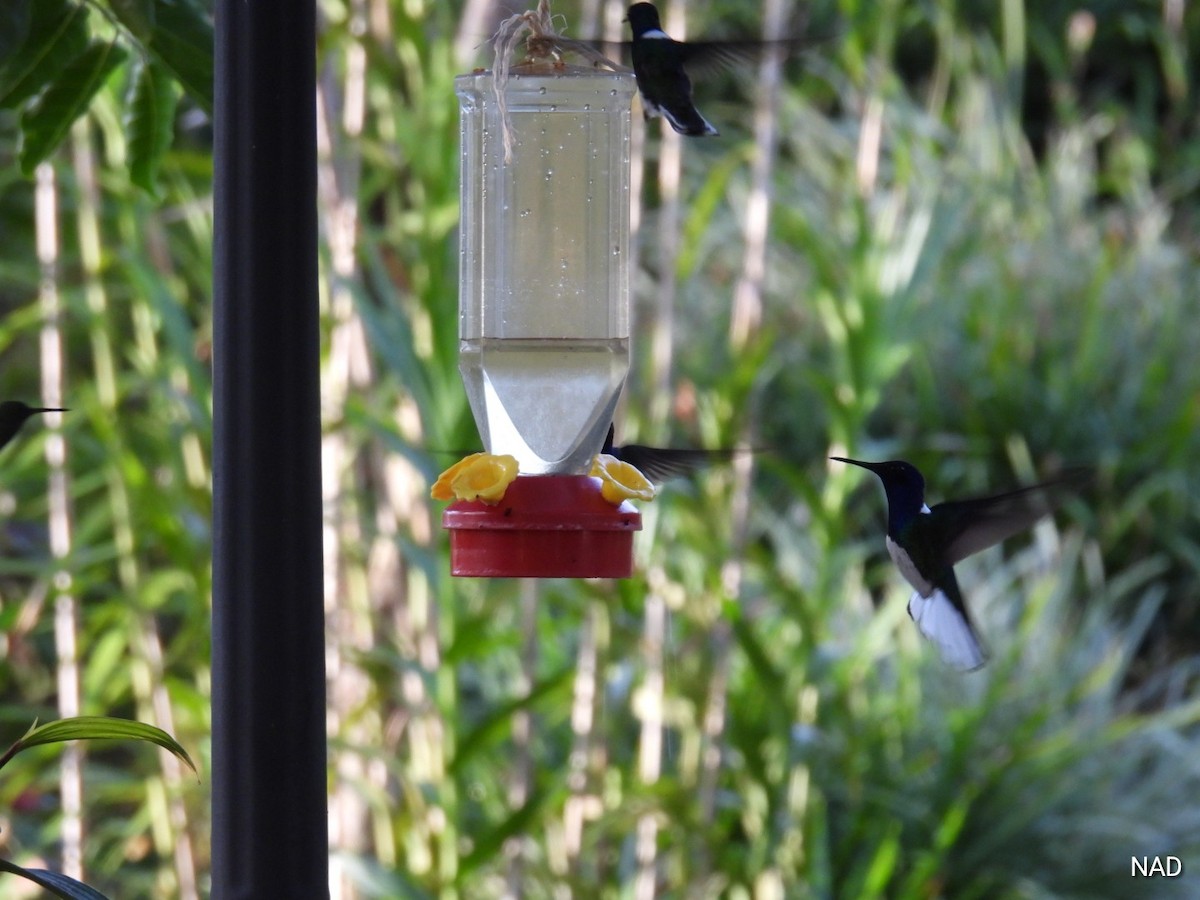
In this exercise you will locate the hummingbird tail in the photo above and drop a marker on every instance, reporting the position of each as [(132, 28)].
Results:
[(947, 627)]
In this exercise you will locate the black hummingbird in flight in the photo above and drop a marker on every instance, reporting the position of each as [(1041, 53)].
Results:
[(14, 414), (925, 543), (659, 65)]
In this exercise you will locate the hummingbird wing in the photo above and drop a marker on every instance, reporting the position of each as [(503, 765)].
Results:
[(661, 464), (964, 527), (700, 57), (943, 618), (708, 56)]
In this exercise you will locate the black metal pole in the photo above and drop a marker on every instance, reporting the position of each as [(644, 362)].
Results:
[(269, 835)]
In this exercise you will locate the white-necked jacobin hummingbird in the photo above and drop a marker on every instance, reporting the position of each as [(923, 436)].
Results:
[(14, 414), (658, 65), (925, 543)]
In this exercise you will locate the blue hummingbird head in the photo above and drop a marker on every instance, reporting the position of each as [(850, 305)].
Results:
[(903, 484), (643, 17)]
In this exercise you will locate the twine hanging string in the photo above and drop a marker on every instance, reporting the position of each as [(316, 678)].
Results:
[(543, 44)]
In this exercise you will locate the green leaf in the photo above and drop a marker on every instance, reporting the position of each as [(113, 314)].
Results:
[(150, 124), (883, 863), (490, 842), (182, 41), (14, 27), (93, 728), (47, 121), (57, 34), (392, 337), (136, 15), (758, 658), (57, 884), (483, 734)]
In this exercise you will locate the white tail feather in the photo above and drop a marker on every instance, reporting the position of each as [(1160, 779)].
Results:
[(948, 629)]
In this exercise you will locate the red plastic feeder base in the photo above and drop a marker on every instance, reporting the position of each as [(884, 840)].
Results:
[(547, 526)]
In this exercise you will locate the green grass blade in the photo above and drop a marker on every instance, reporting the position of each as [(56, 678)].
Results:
[(91, 728), (57, 884)]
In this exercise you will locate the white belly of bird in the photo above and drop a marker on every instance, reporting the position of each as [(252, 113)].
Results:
[(905, 564)]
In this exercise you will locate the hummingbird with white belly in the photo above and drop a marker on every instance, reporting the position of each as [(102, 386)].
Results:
[(926, 542), (660, 64)]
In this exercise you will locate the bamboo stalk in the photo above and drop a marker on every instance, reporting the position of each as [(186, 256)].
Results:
[(169, 815), (430, 846), (588, 762), (662, 328), (747, 297), (651, 695), (66, 640), (521, 778), (744, 327), (479, 20), (649, 707), (341, 106), (583, 720)]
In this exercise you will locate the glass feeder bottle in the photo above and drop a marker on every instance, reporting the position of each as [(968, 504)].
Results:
[(544, 260)]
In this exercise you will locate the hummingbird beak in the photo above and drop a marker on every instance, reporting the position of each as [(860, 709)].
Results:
[(857, 462)]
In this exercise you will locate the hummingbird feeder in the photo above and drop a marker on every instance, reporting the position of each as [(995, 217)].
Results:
[(543, 321)]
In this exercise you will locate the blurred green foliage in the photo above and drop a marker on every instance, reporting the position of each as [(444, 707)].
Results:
[(982, 257)]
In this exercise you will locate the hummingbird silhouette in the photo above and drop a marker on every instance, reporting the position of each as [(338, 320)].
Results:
[(14, 414), (661, 464), (925, 543), (659, 67)]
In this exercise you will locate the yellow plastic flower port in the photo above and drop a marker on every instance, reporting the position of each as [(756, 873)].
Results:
[(480, 476), (619, 480)]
